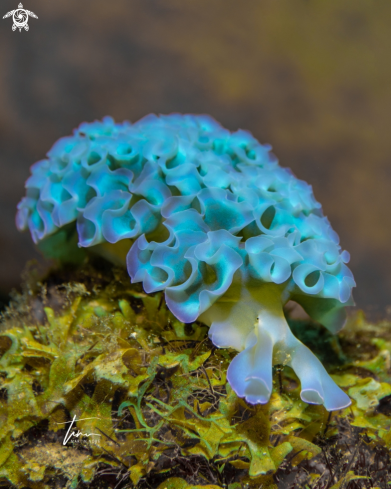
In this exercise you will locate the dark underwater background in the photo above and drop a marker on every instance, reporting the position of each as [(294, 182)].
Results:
[(312, 78)]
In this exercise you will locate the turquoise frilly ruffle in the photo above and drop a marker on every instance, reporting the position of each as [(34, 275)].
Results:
[(223, 198)]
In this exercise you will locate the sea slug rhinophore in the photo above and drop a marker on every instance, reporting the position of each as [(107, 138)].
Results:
[(209, 217)]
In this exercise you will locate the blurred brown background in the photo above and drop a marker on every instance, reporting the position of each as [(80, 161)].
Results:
[(312, 78)]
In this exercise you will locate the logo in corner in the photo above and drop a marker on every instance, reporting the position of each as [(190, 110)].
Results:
[(20, 17)]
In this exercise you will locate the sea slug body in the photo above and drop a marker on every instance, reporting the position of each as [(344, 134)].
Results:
[(209, 217)]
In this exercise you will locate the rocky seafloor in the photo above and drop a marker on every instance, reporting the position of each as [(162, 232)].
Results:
[(153, 404)]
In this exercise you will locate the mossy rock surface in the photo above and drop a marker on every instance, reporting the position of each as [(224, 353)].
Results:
[(152, 405)]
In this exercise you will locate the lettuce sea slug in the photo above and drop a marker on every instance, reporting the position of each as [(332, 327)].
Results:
[(209, 217)]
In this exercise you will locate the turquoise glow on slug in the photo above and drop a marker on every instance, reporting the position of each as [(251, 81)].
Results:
[(209, 217)]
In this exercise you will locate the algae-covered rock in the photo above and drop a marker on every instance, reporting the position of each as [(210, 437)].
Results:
[(101, 386)]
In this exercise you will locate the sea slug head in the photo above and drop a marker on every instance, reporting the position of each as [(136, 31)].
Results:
[(210, 218)]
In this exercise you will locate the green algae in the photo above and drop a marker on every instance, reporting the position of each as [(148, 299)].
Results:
[(152, 395)]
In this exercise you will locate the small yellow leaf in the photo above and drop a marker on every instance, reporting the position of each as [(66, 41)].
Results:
[(279, 453)]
